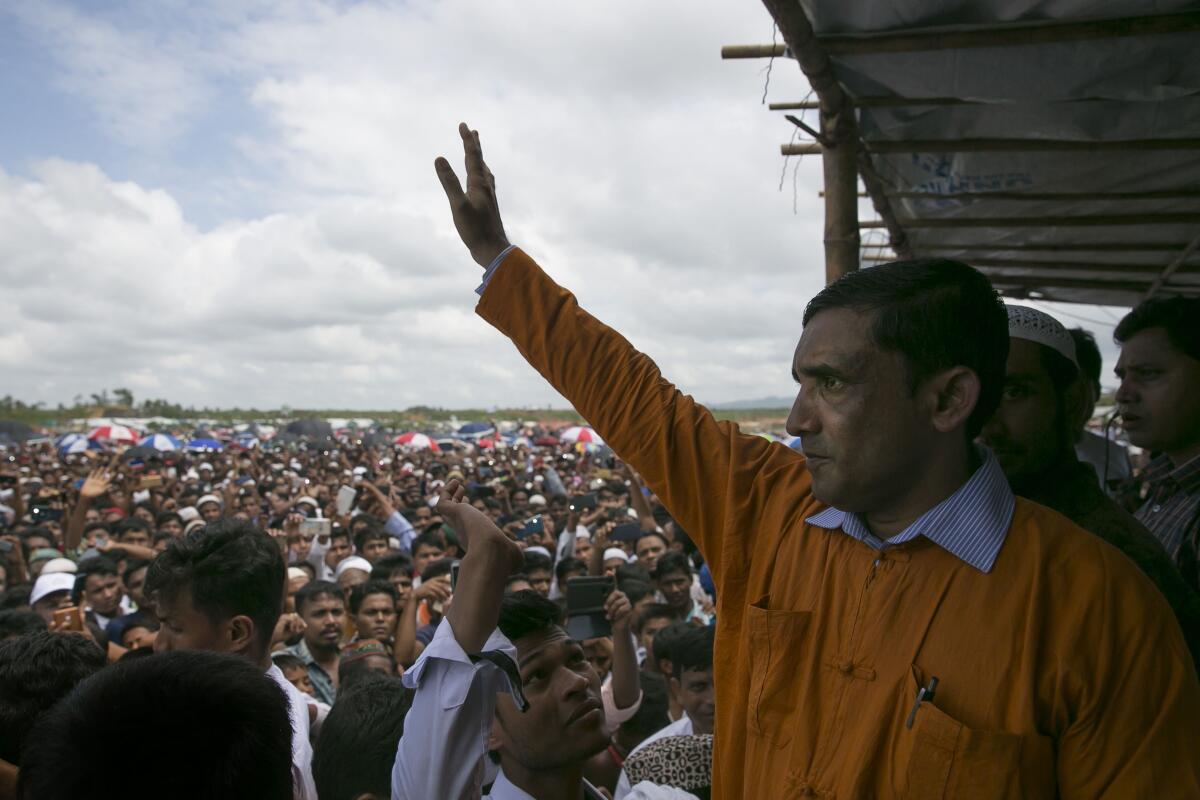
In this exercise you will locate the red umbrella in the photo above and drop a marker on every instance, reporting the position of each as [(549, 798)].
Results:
[(578, 434), (416, 440), (113, 433)]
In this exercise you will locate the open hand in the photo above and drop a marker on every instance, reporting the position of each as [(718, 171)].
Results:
[(96, 484), (476, 211)]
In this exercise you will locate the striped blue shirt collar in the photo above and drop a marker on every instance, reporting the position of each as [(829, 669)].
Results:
[(970, 524)]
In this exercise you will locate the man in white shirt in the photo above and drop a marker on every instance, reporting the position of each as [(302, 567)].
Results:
[(547, 722), (692, 685), (222, 590)]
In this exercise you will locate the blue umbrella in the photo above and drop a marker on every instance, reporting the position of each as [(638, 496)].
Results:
[(473, 428), (161, 441), (203, 445), (246, 439), (78, 445)]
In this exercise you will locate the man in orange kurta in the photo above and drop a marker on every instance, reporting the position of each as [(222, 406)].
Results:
[(1060, 669)]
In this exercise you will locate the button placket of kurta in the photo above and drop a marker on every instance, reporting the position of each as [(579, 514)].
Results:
[(854, 664)]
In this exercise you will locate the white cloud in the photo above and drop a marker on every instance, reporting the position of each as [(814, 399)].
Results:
[(630, 159)]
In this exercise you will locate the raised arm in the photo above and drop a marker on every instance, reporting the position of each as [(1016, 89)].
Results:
[(441, 755), (702, 469)]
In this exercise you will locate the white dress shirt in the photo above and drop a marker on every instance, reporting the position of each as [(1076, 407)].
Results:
[(302, 753), (681, 727), (443, 752)]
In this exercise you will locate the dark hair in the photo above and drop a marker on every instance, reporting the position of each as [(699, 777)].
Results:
[(653, 611), (208, 725), (364, 590), (36, 671), (230, 567), (16, 596), (132, 566), (161, 536), (164, 517), (569, 564), (370, 533), (437, 569), (516, 577), (96, 526), (429, 539), (537, 561), (644, 534), (636, 590), (131, 524), (14, 622), (1087, 353), (526, 612), (358, 741), (935, 312), (286, 661), (314, 590), (338, 532), (97, 565), (671, 562), (388, 565), (666, 640), (654, 713), (632, 572), (693, 651), (1178, 316)]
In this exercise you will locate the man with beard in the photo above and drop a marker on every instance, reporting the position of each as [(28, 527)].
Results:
[(1033, 435), (527, 680), (322, 606)]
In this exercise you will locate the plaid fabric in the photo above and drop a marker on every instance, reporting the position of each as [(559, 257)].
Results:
[(1172, 509)]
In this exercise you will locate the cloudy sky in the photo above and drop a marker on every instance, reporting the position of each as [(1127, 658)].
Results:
[(233, 202)]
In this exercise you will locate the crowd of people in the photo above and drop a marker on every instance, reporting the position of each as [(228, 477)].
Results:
[(956, 589)]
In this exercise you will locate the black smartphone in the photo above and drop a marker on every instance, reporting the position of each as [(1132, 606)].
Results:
[(45, 513), (629, 532), (585, 606), (585, 502), (532, 525), (8, 480), (454, 574)]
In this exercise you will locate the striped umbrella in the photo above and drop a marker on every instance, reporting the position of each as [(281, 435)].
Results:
[(161, 442), (112, 433), (416, 440), (579, 434), (77, 444), (203, 445)]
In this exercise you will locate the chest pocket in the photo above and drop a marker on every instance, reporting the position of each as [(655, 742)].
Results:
[(950, 760), (776, 641)]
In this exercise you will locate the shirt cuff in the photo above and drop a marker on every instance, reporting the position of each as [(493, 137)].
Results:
[(445, 649), (492, 267)]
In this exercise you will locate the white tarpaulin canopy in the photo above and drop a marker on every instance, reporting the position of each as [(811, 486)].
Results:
[(1055, 145)]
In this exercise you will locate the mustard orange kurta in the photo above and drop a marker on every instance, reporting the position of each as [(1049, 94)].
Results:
[(1062, 672)]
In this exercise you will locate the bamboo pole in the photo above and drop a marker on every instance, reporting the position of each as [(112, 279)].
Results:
[(1032, 266), (801, 149), (1171, 268), (838, 165), (878, 102), (753, 51)]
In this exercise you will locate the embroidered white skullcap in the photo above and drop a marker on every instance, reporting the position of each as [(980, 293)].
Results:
[(616, 552), (352, 562), (1037, 326)]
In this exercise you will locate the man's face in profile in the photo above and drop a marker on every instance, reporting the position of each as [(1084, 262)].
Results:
[(184, 627), (861, 425)]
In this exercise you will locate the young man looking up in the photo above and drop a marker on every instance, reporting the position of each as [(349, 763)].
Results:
[(220, 588), (891, 526), (549, 719), (322, 607), (1159, 403), (373, 606)]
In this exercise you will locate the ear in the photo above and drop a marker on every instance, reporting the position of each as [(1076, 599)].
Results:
[(675, 687), (495, 735), (1078, 403), (954, 394), (240, 630)]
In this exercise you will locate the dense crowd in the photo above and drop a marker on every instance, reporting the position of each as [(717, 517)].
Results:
[(952, 587)]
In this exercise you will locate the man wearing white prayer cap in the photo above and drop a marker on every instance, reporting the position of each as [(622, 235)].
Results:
[(51, 591), (1033, 433), (210, 507)]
